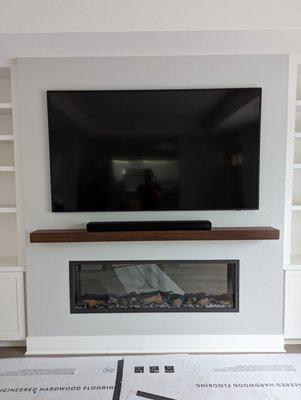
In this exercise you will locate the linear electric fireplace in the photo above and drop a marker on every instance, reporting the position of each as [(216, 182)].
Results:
[(154, 286)]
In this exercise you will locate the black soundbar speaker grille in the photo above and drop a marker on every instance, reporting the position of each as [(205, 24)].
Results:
[(149, 226)]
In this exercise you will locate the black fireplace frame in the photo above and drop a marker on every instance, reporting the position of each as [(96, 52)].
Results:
[(72, 288)]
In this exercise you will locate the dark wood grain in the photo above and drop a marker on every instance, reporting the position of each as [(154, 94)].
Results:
[(81, 235)]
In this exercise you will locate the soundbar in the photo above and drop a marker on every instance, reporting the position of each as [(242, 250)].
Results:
[(149, 226)]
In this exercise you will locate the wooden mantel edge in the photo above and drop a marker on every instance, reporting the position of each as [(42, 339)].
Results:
[(219, 233)]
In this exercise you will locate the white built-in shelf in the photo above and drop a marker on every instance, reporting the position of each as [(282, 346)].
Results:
[(8, 210), (7, 168), (297, 135), (5, 108), (10, 264), (296, 207), (4, 72), (297, 166), (298, 103), (294, 264), (6, 138), (296, 259)]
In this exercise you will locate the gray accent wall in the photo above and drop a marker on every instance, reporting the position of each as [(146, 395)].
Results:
[(261, 299)]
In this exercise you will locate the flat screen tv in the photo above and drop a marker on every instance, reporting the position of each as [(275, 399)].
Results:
[(145, 150)]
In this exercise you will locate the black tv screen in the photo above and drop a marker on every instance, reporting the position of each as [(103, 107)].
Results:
[(137, 150)]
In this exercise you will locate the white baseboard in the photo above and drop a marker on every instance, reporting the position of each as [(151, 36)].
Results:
[(12, 343), (147, 344)]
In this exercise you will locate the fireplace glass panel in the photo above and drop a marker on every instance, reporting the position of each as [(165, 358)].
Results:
[(152, 286)]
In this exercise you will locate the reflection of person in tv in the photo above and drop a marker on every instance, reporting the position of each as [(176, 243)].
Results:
[(149, 192)]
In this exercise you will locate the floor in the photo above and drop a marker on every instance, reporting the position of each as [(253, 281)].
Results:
[(8, 352), (157, 377)]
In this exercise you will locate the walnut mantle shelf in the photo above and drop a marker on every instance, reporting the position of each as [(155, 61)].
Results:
[(82, 235)]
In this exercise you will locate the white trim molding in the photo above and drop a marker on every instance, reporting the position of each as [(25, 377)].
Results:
[(12, 343), (150, 344)]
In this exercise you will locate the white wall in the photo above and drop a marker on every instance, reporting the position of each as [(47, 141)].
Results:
[(261, 261), (144, 15), (109, 44)]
